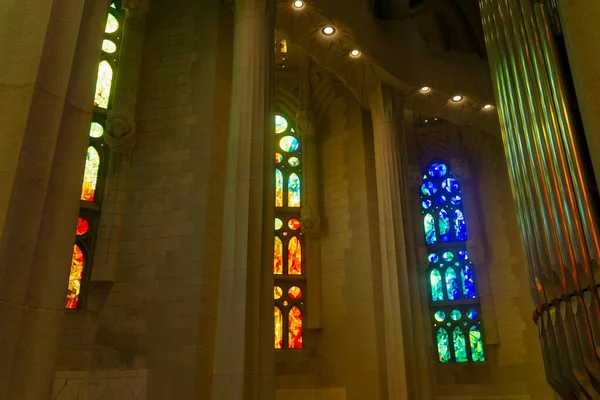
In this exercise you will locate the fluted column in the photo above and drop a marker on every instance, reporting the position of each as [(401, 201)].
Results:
[(387, 112), (37, 236), (243, 364)]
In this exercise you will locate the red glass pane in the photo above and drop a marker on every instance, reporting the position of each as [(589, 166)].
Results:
[(295, 293), (278, 257), (295, 328), (294, 257), (82, 227), (294, 224), (278, 328), (77, 265)]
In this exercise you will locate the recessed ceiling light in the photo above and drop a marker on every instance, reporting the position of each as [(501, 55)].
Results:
[(298, 4), (328, 30), (355, 53), (425, 89), (488, 106), (457, 98)]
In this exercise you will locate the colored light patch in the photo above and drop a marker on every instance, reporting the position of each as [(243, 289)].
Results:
[(429, 226), (278, 188), (444, 223), (109, 46), (428, 188), (294, 191), (82, 227), (277, 292), (294, 257), (74, 289), (294, 224), (439, 316), (278, 257), (281, 124), (278, 224), (295, 293), (278, 158), (278, 328), (295, 328), (112, 24), (96, 130), (435, 279), (476, 343), (455, 315), (294, 161), (452, 284), (442, 345), (90, 176), (460, 345), (433, 258), (288, 144), (437, 170), (103, 85), (450, 185)]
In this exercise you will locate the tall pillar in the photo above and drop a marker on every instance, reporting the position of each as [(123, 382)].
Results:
[(387, 113), (243, 360), (580, 20), (547, 171), (37, 236)]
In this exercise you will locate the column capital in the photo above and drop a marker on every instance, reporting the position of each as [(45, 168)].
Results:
[(415, 178), (476, 251), (120, 132), (304, 124), (461, 169)]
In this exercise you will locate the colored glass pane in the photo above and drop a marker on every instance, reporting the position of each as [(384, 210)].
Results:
[(433, 258), (440, 199), (295, 293), (278, 158), (437, 170), (476, 344), (77, 264), (283, 46), (281, 124), (103, 85), (96, 130), (452, 284), (90, 176), (288, 144), (295, 328), (294, 224), (278, 188), (278, 328), (278, 258), (442, 345), (426, 204), (448, 256), (462, 254), (278, 224), (294, 257), (468, 283), (435, 278), (450, 185), (278, 292), (455, 315), (444, 222), (82, 227), (109, 46), (113, 5), (472, 313), (456, 200), (429, 225), (439, 316), (460, 345), (294, 191), (112, 24), (460, 228), (428, 188), (294, 161)]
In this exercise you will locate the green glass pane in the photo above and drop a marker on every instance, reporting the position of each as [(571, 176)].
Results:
[(435, 278), (96, 130), (471, 313), (109, 46), (113, 5), (103, 85), (455, 315), (452, 284), (288, 144), (429, 225), (439, 316), (278, 224), (448, 256), (112, 24), (442, 345), (294, 191), (460, 345), (444, 221), (281, 124), (476, 344), (294, 161)]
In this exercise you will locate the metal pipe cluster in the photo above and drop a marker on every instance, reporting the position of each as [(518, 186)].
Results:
[(548, 180)]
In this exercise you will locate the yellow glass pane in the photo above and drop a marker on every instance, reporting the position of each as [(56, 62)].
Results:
[(294, 257), (96, 130), (90, 176), (278, 328), (109, 46), (278, 292), (112, 25), (278, 257), (103, 85)]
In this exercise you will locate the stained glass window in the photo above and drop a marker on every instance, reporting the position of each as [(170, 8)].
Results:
[(103, 84), (77, 265), (90, 177), (453, 297), (288, 259)]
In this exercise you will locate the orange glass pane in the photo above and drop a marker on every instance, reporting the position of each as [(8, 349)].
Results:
[(294, 257), (278, 258), (294, 224), (295, 328), (295, 293), (82, 227), (278, 328), (278, 188), (90, 176), (77, 265), (278, 292)]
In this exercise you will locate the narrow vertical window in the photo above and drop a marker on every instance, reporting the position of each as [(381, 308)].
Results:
[(288, 262), (77, 265), (453, 298), (90, 176)]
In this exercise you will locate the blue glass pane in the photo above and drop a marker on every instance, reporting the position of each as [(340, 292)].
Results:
[(428, 188), (426, 204), (472, 313), (439, 316), (476, 344), (437, 170), (444, 222), (460, 229), (460, 346), (442, 345), (468, 283), (429, 225), (456, 200), (441, 199), (455, 315), (433, 258), (450, 184), (448, 256), (462, 254), (436, 285), (452, 284)]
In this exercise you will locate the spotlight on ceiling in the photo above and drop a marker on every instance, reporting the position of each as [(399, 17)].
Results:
[(355, 53), (457, 98), (298, 4), (425, 89), (328, 30), (488, 107)]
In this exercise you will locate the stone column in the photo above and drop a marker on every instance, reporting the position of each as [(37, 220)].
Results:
[(243, 364), (387, 111), (580, 20), (37, 236)]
